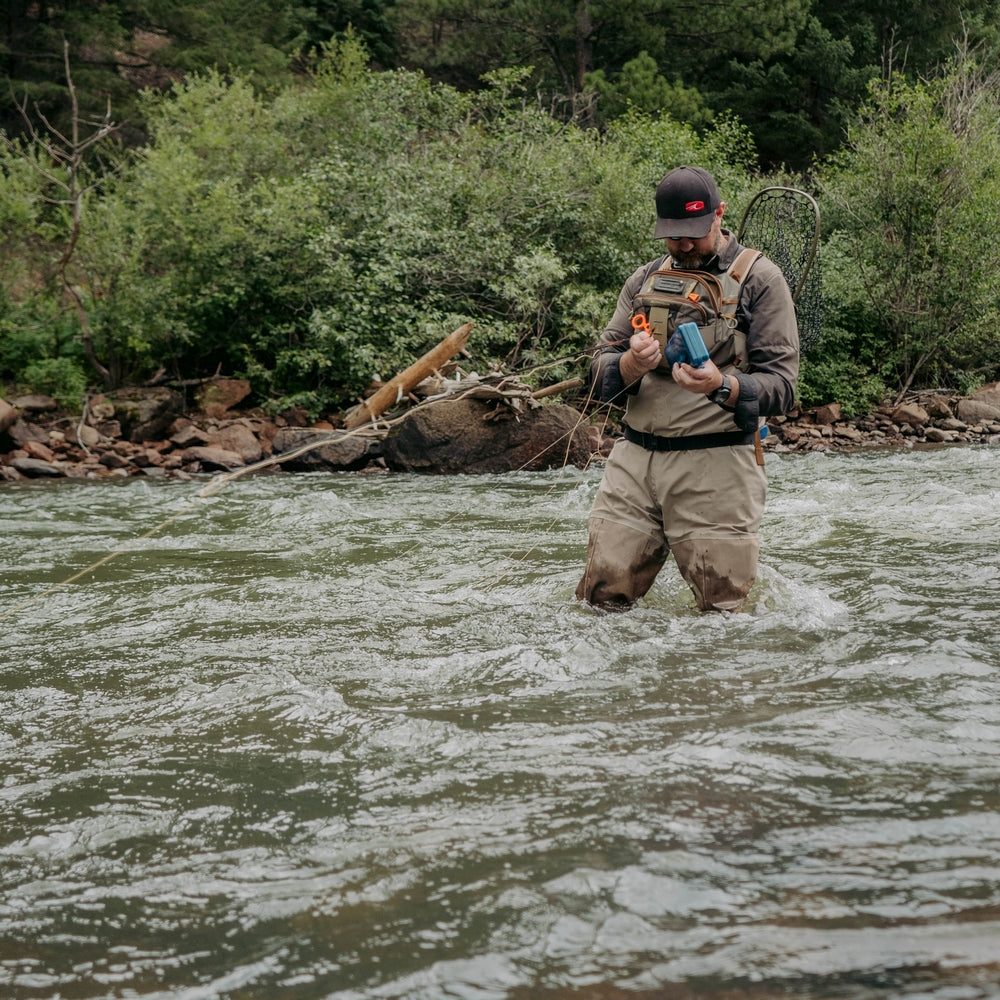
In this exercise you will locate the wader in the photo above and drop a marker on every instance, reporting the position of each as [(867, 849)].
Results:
[(704, 506)]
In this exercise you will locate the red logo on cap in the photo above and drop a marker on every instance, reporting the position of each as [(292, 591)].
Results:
[(694, 206)]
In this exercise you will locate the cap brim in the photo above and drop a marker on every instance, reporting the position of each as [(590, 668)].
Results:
[(693, 229)]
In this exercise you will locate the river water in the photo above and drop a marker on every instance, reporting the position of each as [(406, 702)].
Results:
[(350, 737)]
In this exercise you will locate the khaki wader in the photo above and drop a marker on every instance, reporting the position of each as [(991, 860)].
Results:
[(703, 506)]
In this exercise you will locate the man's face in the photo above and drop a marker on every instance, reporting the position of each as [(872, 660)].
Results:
[(692, 254)]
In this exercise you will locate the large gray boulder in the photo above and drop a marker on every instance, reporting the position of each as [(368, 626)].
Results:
[(481, 436)]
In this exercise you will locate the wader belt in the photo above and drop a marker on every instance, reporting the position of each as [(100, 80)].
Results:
[(653, 442)]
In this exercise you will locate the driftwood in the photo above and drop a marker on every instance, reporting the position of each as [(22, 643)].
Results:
[(399, 386), (555, 390)]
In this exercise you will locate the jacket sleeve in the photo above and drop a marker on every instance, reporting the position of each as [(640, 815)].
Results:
[(605, 370), (767, 313)]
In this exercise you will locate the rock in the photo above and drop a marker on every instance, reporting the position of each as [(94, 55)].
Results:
[(36, 449), (265, 431), (938, 406), (213, 458), (339, 454), (989, 394), (189, 435), (100, 408), (953, 424), (112, 460), (21, 432), (789, 433), (828, 414), (145, 414), (218, 395), (459, 436), (88, 436), (239, 438), (8, 414), (109, 429), (939, 435), (35, 468), (975, 410), (848, 432), (912, 414), (35, 403), (297, 416)]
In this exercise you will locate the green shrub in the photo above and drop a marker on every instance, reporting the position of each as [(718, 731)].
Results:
[(61, 378)]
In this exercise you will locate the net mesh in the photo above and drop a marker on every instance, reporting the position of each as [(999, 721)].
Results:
[(784, 224)]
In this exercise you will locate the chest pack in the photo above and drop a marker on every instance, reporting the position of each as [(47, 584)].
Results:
[(670, 296)]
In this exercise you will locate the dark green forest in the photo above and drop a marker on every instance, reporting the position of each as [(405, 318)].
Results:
[(310, 195)]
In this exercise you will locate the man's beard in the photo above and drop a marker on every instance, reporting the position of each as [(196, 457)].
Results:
[(694, 260)]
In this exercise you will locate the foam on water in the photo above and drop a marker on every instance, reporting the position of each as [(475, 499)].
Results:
[(351, 737)]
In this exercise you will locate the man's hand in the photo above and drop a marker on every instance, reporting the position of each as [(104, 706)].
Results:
[(703, 380), (643, 355)]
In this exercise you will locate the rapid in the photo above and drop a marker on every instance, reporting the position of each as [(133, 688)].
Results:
[(349, 736)]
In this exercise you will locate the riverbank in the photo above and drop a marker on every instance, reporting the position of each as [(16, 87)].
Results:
[(160, 433)]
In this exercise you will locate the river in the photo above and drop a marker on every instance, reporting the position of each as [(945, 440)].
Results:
[(350, 737)]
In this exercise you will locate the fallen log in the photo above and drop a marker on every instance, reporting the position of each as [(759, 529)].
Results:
[(398, 386), (555, 390)]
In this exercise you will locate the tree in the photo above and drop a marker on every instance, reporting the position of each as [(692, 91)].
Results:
[(567, 39), (914, 201), (69, 183)]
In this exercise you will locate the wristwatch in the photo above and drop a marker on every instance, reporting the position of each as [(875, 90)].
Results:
[(721, 395)]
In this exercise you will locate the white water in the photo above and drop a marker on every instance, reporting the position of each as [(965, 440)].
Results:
[(351, 737)]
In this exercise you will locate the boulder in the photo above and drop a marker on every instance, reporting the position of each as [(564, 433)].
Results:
[(187, 434), (36, 402), (938, 406), (340, 453), (8, 414), (828, 414), (989, 394), (146, 413), (976, 410), (37, 449), (21, 432), (237, 437), (35, 468), (940, 436), (87, 436), (912, 414), (478, 436), (213, 458), (218, 395)]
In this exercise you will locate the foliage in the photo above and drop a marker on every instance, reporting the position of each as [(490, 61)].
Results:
[(61, 378), (318, 231), (640, 85), (916, 196), (792, 70), (330, 233)]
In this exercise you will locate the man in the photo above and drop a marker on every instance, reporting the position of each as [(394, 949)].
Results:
[(688, 478)]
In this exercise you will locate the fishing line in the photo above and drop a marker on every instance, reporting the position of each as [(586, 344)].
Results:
[(487, 583), (219, 482), (214, 486)]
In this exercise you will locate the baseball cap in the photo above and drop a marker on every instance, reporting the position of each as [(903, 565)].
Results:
[(686, 201)]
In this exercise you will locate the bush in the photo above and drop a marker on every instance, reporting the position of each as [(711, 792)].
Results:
[(340, 229), (61, 378), (915, 195)]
